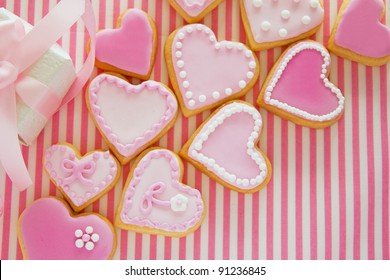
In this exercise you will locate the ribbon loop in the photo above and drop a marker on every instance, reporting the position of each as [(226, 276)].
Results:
[(8, 74)]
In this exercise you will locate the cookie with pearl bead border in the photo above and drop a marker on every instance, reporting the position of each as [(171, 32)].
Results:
[(226, 148), (81, 179), (49, 230), (204, 72), (298, 89), (194, 10), (274, 23)]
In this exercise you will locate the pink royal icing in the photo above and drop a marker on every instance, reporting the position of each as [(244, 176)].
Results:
[(155, 198), (130, 47), (48, 232), (361, 31), (226, 146), (272, 20), (299, 84), (194, 7), (80, 180), (208, 71), (130, 117)]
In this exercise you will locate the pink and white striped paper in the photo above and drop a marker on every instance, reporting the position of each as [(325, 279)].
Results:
[(329, 195)]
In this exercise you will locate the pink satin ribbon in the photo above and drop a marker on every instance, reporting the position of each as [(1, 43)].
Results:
[(17, 53)]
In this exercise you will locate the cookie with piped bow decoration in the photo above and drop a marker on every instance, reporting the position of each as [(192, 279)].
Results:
[(156, 201), (81, 179), (194, 10)]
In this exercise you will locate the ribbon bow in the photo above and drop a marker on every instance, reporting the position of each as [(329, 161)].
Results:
[(18, 51), (78, 170), (149, 198)]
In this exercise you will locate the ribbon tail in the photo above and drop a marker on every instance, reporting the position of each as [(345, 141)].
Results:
[(10, 151)]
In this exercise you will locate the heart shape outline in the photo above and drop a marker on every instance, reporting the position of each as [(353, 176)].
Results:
[(211, 168), (259, 46), (92, 192), (350, 53), (77, 219), (194, 18), (120, 27), (145, 225), (181, 80), (125, 152), (292, 113)]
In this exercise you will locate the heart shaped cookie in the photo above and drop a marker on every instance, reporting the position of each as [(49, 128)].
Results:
[(206, 73), (155, 201), (48, 231), (82, 180), (225, 148), (194, 10), (130, 117), (358, 33), (269, 23), (131, 48), (298, 89)]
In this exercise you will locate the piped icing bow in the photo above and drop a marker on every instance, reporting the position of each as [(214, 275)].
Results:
[(77, 170), (19, 51)]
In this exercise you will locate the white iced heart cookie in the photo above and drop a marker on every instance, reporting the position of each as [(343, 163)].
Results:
[(273, 23), (155, 200)]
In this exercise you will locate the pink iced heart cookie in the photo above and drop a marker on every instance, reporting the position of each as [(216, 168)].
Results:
[(82, 180), (194, 10), (48, 231), (298, 89), (131, 48), (206, 73), (273, 23), (130, 117), (225, 148), (155, 201), (358, 33)]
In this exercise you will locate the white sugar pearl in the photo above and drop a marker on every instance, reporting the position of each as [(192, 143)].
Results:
[(216, 94), (78, 233), (252, 65), (217, 46), (191, 103), (189, 94), (285, 14), (89, 246), (189, 29), (179, 54), (186, 84), (282, 32), (229, 45), (228, 91), (183, 74), (306, 20), (180, 64), (257, 3), (202, 98), (245, 182), (181, 35), (248, 53), (265, 25), (314, 4), (79, 243), (242, 84), (179, 45), (95, 237), (250, 75), (89, 229)]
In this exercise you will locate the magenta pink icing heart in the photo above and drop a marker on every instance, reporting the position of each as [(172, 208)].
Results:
[(48, 232), (130, 47), (361, 31)]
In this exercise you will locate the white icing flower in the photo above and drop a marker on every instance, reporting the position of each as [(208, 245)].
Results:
[(179, 203), (86, 239)]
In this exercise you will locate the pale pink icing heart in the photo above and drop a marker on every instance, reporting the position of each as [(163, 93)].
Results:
[(130, 117), (47, 231), (272, 20), (194, 7), (130, 47), (208, 72), (361, 31), (226, 146), (81, 180), (155, 198), (299, 84)]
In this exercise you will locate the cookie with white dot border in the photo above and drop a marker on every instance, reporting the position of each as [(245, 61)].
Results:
[(204, 72), (274, 23), (298, 88), (225, 147), (49, 230), (194, 10)]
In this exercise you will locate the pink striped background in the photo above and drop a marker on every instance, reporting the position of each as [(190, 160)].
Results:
[(328, 198)]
